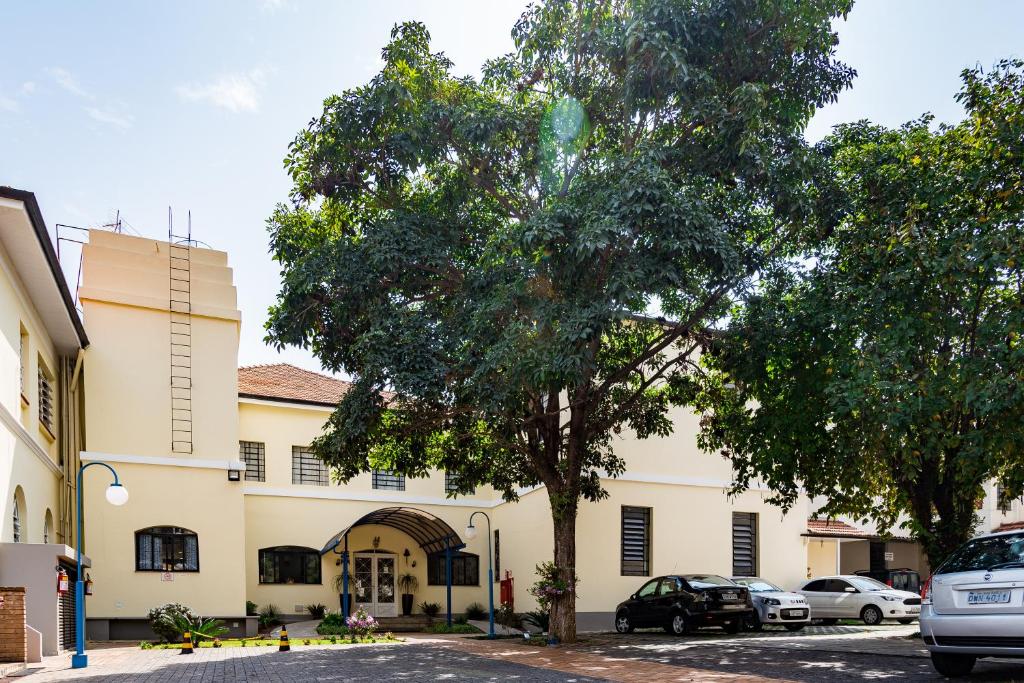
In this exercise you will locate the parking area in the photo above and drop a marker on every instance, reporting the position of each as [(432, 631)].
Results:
[(819, 653)]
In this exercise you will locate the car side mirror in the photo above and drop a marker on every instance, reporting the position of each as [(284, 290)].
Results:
[(633, 596), (850, 589)]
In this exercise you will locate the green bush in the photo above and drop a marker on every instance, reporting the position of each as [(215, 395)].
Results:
[(431, 609), (316, 610), (251, 608), (454, 628), (333, 624), (166, 621), (146, 645), (539, 619), (506, 617), (476, 611), (270, 616)]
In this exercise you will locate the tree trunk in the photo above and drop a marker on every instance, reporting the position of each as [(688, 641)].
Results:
[(563, 608)]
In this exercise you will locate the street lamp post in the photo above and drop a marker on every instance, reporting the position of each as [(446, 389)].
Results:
[(116, 495), (471, 534)]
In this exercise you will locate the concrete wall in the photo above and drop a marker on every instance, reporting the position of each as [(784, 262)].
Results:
[(33, 566)]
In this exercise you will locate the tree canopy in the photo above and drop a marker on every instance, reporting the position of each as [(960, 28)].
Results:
[(494, 260), (884, 372)]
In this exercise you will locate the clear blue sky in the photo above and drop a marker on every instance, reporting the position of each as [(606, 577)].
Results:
[(139, 106)]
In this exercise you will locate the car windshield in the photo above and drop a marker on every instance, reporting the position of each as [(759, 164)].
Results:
[(757, 585), (866, 583), (985, 553), (707, 580)]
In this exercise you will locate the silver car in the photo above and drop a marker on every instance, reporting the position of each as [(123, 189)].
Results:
[(974, 604), (774, 606)]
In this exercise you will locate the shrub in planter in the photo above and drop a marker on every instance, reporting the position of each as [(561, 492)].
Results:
[(431, 609), (407, 583), (166, 621), (316, 610), (476, 611), (251, 609), (270, 616)]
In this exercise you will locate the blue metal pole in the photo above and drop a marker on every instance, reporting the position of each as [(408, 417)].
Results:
[(448, 575), (80, 660), (490, 571), (344, 580)]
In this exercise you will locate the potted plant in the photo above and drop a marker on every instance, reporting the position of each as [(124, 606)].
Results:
[(339, 585), (408, 583)]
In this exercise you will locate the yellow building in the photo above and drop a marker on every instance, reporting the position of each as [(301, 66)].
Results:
[(227, 504)]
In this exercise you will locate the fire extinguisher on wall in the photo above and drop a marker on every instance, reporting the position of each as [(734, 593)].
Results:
[(62, 581)]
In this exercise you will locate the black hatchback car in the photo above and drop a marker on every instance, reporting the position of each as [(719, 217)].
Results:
[(682, 603)]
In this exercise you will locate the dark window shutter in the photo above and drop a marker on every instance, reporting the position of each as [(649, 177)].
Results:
[(744, 544), (636, 541)]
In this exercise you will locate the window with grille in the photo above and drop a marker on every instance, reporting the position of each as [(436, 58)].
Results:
[(465, 569), (166, 549), (1003, 501), (307, 468), (46, 404), (289, 564), (386, 479), (17, 522), (23, 362), (744, 544), (636, 541), (252, 454), (451, 483)]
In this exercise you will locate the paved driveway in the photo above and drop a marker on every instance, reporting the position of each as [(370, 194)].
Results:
[(412, 661)]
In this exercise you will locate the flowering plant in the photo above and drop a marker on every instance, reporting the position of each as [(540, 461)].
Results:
[(551, 584), (361, 624)]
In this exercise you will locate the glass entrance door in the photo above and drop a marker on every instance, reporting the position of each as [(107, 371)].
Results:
[(374, 590)]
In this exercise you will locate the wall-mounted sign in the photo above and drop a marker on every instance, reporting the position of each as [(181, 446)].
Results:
[(167, 576), (889, 557)]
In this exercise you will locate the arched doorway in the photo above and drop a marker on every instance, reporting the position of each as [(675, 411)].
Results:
[(369, 576)]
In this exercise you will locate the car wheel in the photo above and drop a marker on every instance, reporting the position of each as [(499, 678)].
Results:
[(623, 624), (680, 625), (871, 615), (905, 621), (732, 627), (794, 627), (752, 622), (953, 665)]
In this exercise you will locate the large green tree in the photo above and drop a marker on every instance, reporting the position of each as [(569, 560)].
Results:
[(480, 254), (885, 373)]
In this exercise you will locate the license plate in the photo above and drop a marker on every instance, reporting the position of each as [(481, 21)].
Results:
[(728, 596), (988, 597), (913, 610), (794, 613), (733, 606)]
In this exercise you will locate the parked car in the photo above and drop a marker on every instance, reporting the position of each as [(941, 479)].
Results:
[(858, 597), (902, 579), (974, 604), (683, 603), (772, 605)]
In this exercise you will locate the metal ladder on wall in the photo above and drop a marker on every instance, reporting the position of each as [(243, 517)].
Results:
[(180, 307)]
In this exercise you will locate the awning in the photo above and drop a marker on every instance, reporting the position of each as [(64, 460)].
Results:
[(432, 533)]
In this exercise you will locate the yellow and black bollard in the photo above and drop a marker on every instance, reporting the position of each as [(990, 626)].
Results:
[(186, 643), (284, 646)]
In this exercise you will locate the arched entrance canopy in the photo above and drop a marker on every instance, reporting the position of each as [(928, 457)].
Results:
[(432, 533)]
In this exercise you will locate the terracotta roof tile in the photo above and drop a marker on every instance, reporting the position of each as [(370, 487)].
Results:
[(1009, 526), (284, 382), (833, 527)]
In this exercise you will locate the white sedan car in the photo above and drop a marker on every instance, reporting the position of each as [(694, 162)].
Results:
[(974, 604), (858, 597), (772, 605)]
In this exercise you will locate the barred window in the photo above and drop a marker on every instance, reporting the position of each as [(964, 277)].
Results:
[(46, 404), (465, 569), (744, 544), (497, 556), (289, 564), (386, 479), (451, 483), (636, 541), (307, 468), (252, 454), (166, 549), (17, 521)]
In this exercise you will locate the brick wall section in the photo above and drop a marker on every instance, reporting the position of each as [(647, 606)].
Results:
[(13, 638)]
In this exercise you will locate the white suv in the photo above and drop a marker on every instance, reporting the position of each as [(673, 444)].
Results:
[(974, 604)]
